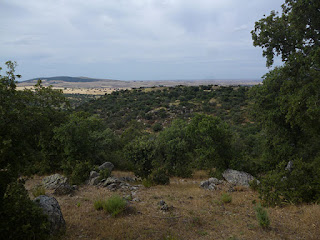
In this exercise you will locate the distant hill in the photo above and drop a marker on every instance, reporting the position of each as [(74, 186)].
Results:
[(83, 85), (65, 79)]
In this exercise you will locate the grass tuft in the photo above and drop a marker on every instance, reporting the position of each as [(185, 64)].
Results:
[(38, 190), (226, 198), (98, 204), (114, 205), (262, 216)]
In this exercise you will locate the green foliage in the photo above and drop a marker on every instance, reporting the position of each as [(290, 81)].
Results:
[(262, 216), (38, 190), (140, 152), (114, 205), (287, 104), (172, 150), (27, 119), (83, 139), (226, 198), (104, 174), (20, 217), (159, 176), (98, 204), (292, 34), (254, 185), (146, 182), (301, 184), (210, 140), (157, 127), (80, 172)]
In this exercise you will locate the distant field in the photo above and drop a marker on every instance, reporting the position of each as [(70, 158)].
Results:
[(101, 86)]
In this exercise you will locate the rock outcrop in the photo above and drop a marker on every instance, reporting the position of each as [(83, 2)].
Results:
[(211, 183), (51, 208), (237, 177), (54, 181), (105, 165)]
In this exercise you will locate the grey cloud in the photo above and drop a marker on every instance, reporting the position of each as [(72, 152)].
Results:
[(133, 38)]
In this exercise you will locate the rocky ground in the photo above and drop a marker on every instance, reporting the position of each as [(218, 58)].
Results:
[(181, 210)]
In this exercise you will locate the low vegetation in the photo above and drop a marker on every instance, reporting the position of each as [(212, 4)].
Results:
[(113, 205), (262, 217)]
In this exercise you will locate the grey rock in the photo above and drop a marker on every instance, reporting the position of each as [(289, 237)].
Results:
[(105, 165), (237, 177), (51, 208), (161, 202), (164, 207), (111, 180), (136, 199), (126, 179), (93, 174), (94, 181), (210, 184), (54, 181), (63, 189), (289, 166), (112, 186)]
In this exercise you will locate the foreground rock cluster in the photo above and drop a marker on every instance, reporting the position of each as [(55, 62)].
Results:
[(233, 177), (111, 183)]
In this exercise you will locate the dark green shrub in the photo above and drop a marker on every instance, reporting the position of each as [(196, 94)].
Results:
[(159, 176), (254, 185), (146, 182), (114, 205), (301, 184), (20, 217), (104, 174), (140, 153), (80, 173), (157, 127), (262, 216)]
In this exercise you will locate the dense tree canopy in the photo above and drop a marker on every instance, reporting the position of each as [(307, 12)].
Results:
[(288, 103)]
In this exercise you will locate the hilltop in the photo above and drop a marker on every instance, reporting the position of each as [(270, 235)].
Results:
[(95, 86)]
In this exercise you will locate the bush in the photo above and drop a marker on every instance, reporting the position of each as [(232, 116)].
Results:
[(157, 127), (159, 176), (262, 216), (301, 184), (38, 190), (80, 173), (104, 174), (146, 182), (254, 185), (114, 205), (20, 217), (226, 198), (98, 204)]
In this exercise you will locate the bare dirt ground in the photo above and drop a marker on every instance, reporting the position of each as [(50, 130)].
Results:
[(196, 214)]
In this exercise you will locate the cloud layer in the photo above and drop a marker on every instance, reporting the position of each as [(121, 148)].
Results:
[(133, 39)]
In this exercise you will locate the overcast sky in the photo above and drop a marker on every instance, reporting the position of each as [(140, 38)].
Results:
[(133, 39)]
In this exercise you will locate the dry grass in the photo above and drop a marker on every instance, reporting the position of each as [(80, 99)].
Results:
[(196, 214)]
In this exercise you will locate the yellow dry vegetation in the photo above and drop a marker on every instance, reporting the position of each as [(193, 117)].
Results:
[(196, 214)]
